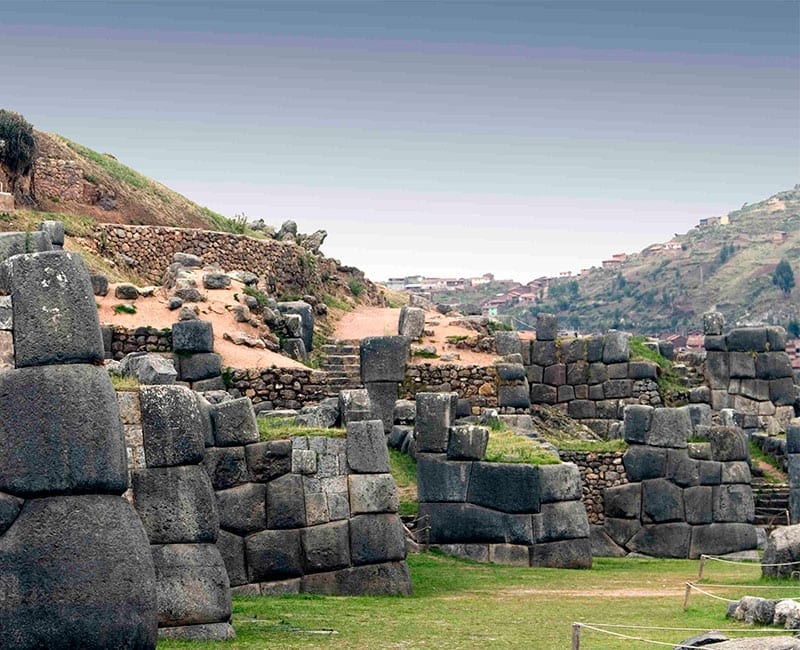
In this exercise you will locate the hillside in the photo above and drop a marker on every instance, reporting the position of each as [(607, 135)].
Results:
[(667, 287)]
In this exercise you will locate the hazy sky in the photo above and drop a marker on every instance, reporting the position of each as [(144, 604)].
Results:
[(443, 138)]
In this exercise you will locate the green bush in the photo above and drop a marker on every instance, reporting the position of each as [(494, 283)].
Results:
[(18, 149), (356, 286)]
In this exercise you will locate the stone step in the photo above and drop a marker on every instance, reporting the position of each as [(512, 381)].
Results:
[(344, 360), (339, 349)]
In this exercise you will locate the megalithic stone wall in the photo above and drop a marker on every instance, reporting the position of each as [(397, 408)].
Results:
[(749, 371), (75, 564), (683, 499), (175, 500), (494, 512), (311, 514)]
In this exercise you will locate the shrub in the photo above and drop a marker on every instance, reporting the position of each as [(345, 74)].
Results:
[(19, 143), (356, 286), (124, 308)]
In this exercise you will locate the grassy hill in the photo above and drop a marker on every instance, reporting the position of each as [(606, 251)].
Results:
[(727, 267)]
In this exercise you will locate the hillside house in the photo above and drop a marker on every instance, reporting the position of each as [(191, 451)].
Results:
[(616, 261)]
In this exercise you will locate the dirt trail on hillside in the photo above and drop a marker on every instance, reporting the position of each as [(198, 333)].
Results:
[(380, 321)]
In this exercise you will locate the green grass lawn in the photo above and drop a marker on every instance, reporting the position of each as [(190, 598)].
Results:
[(461, 604)]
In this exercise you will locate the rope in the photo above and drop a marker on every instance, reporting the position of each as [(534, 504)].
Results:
[(705, 593), (681, 629), (745, 561), (742, 586), (595, 628)]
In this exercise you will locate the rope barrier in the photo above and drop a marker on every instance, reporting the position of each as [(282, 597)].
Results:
[(725, 560), (601, 628)]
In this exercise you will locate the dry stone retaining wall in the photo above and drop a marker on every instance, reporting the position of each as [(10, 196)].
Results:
[(285, 267), (599, 471), (476, 384)]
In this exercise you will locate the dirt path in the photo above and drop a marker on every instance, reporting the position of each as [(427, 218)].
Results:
[(378, 321)]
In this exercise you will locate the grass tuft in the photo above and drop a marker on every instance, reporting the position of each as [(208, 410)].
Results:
[(281, 428), (505, 446)]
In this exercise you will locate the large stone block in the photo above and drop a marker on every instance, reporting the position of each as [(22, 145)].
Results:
[(20, 243), (717, 370), (681, 469), (747, 339), (436, 413), (582, 409), (383, 358), (242, 509), (354, 406), (467, 442), (387, 579), (225, 466), (205, 632), (149, 368), (173, 426), (577, 373), (376, 538), (544, 353), (615, 347), (713, 323), (567, 554), (773, 365), (382, 398), (728, 443), (782, 392), (231, 548), (195, 367), (623, 501), (286, 506), (192, 585), (617, 388), (55, 316), (441, 480), (742, 365), (306, 313), (507, 343), (621, 530), (234, 422), (176, 504), (546, 327), (367, 451), (506, 487), (269, 460), (782, 552), (543, 394), (643, 462), (60, 432), (733, 503), (370, 493), (57, 559), (411, 323), (697, 503), (670, 427), (517, 397), (273, 555), (454, 523), (326, 547), (662, 501), (636, 423), (555, 375), (720, 539), (710, 472), (560, 482), (562, 520), (9, 509), (662, 540), (736, 471), (193, 336)]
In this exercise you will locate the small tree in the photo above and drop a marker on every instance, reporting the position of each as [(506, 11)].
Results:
[(783, 277), (794, 328), (19, 144)]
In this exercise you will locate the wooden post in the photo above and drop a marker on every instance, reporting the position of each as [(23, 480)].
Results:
[(576, 636), (702, 566), (686, 597)]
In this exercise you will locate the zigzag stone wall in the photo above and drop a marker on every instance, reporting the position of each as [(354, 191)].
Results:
[(64, 527), (494, 512), (682, 499)]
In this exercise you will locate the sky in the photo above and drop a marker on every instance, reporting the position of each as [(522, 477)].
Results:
[(436, 138)]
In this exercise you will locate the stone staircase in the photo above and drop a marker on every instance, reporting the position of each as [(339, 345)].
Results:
[(772, 504), (340, 359)]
